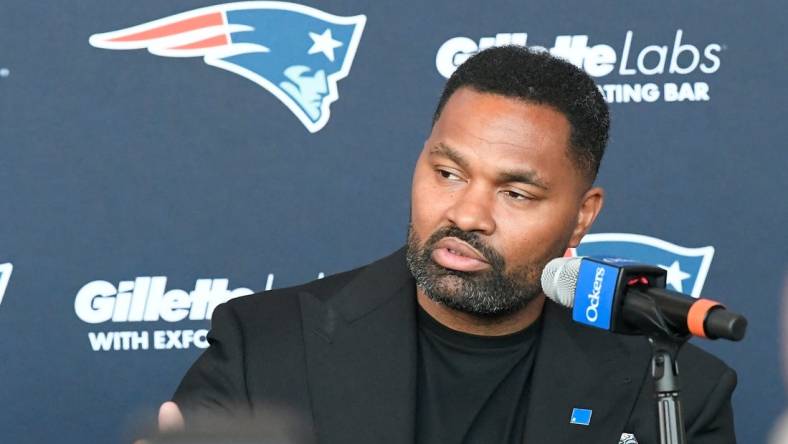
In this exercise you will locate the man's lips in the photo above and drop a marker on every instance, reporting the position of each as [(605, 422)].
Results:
[(455, 254)]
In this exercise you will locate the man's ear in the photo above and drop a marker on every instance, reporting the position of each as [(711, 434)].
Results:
[(591, 204)]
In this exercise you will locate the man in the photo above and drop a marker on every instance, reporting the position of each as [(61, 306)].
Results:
[(451, 340)]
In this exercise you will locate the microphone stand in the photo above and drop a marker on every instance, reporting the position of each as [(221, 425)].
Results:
[(642, 312), (665, 371)]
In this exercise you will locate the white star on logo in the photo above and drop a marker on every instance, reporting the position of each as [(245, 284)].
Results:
[(675, 275), (324, 43)]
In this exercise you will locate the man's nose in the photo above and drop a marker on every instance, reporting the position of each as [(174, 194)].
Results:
[(473, 211)]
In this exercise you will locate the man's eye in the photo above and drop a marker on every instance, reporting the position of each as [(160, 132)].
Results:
[(448, 175), (516, 196)]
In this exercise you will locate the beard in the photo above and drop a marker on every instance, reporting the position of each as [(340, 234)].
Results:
[(489, 293)]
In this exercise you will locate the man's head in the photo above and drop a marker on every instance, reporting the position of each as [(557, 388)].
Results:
[(504, 182)]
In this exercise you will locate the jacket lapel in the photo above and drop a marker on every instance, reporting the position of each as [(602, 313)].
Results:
[(585, 368), (361, 356)]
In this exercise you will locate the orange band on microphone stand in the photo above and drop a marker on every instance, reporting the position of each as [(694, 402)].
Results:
[(697, 316)]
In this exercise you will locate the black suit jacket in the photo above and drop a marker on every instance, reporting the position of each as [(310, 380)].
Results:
[(342, 351)]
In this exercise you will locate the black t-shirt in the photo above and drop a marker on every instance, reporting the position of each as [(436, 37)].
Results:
[(472, 389)]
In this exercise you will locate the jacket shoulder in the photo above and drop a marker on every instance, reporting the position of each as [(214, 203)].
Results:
[(698, 359), (704, 378)]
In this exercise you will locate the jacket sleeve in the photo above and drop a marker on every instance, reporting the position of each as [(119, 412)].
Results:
[(215, 385), (714, 422)]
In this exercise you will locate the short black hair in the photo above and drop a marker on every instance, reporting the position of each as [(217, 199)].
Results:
[(539, 78)]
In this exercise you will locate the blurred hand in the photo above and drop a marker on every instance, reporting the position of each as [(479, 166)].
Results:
[(170, 418)]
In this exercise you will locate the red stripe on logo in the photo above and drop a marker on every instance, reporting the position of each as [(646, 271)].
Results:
[(190, 24)]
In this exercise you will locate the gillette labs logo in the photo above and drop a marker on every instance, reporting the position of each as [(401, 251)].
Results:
[(145, 299), (634, 58)]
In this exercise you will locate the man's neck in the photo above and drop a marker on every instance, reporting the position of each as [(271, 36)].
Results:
[(483, 326)]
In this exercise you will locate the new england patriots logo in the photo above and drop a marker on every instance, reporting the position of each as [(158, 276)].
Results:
[(295, 52), (687, 267)]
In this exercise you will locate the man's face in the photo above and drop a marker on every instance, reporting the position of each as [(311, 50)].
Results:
[(495, 197)]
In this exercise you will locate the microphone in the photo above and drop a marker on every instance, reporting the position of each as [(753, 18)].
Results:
[(628, 297)]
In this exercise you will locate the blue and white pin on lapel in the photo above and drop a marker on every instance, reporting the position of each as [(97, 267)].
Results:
[(580, 416)]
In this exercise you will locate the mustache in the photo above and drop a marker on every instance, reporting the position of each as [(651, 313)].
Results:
[(492, 257)]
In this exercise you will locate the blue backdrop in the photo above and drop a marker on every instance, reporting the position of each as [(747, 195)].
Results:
[(147, 174)]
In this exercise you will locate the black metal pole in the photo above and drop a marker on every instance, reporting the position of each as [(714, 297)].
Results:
[(665, 371)]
